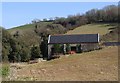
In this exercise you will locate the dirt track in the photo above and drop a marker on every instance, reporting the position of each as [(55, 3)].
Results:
[(91, 66)]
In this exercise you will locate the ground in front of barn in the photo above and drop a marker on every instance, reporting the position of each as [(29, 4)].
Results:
[(99, 65)]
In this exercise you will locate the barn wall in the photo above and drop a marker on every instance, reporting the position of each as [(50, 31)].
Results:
[(84, 47), (89, 47), (49, 51)]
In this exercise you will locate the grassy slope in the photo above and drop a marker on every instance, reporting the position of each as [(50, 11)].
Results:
[(102, 29), (91, 29), (27, 26), (27, 33)]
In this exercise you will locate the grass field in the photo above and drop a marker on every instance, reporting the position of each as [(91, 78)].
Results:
[(102, 29), (96, 65), (27, 26)]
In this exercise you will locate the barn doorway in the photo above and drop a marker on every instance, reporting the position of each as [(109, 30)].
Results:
[(73, 48)]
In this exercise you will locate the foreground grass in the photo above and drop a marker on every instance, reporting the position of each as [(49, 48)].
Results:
[(4, 70), (96, 65)]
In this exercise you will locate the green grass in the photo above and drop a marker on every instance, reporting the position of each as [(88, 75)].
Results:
[(102, 29), (23, 27), (4, 71), (27, 26)]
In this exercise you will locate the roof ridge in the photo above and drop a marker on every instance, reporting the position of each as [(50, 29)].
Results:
[(72, 34)]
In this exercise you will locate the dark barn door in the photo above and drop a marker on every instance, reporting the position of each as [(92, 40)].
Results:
[(73, 48)]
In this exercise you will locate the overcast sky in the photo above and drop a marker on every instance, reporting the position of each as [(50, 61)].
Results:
[(20, 13)]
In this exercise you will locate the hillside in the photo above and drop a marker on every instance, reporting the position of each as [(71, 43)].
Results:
[(112, 35), (25, 48), (26, 32), (85, 66), (74, 67), (30, 34), (99, 65), (101, 28)]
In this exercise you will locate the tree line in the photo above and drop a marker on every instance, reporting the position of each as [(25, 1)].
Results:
[(106, 15), (16, 51)]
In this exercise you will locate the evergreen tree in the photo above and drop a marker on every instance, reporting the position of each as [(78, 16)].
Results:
[(44, 49)]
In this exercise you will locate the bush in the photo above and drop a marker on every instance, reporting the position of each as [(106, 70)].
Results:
[(57, 48), (5, 53), (25, 54), (4, 71), (35, 52), (68, 48)]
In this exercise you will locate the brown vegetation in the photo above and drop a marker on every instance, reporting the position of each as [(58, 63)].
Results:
[(97, 65)]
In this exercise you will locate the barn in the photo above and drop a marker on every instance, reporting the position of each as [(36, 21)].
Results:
[(77, 42)]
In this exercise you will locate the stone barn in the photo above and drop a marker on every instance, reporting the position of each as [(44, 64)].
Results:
[(86, 42)]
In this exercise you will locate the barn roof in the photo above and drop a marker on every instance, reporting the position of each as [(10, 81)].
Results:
[(77, 38)]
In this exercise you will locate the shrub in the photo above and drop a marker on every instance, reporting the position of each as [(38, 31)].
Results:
[(35, 52), (25, 54), (57, 48), (4, 71)]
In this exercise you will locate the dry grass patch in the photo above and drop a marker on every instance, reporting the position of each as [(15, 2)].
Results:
[(96, 65)]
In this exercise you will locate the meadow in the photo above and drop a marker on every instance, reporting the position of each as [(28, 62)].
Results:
[(101, 28)]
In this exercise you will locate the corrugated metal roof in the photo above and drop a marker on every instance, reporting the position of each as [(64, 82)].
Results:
[(77, 38)]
